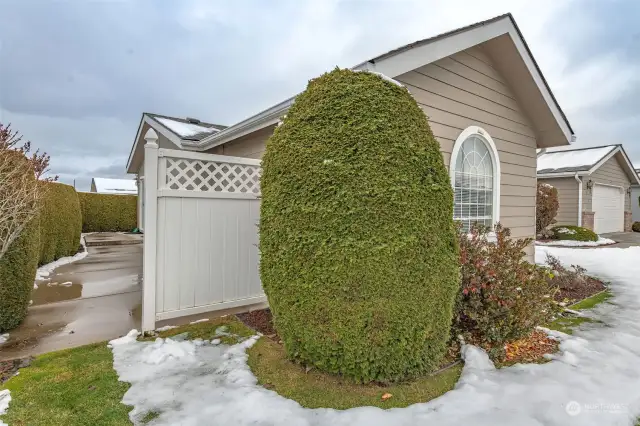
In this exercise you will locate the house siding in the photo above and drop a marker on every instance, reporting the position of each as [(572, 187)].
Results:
[(457, 92), (635, 204), (567, 199), (610, 173), (464, 90)]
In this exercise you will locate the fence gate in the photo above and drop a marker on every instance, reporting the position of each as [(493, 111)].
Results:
[(201, 233)]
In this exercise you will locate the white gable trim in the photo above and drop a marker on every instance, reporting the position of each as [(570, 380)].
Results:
[(259, 121), (596, 166), (408, 60), (405, 60), (626, 160), (159, 128)]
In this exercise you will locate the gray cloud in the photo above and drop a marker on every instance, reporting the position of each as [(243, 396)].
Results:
[(76, 76)]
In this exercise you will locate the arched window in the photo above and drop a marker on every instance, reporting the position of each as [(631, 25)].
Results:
[(475, 177)]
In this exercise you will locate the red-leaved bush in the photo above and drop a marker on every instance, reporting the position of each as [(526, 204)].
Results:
[(546, 208), (502, 297)]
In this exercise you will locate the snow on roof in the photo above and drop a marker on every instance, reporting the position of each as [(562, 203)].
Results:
[(115, 186), (184, 130), (573, 160)]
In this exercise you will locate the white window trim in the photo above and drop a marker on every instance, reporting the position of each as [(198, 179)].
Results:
[(495, 159)]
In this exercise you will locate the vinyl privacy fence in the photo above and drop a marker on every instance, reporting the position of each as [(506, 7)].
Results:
[(201, 214)]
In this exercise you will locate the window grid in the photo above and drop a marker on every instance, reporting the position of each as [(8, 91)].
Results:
[(473, 184)]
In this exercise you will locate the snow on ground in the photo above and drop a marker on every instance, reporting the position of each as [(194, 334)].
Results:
[(593, 380), (3, 338), (572, 243), (199, 321), (44, 271), (5, 398)]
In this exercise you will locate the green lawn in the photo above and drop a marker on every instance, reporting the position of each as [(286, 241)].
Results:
[(71, 387), (567, 324), (314, 389), (79, 386)]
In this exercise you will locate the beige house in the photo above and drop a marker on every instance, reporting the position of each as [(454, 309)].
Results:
[(594, 186), (487, 102)]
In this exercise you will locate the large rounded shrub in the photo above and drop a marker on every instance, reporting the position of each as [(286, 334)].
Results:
[(359, 256), (60, 222), (108, 212)]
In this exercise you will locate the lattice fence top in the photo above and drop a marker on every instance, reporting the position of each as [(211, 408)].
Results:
[(198, 175)]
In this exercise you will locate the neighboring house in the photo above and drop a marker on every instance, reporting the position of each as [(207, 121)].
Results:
[(594, 186), (635, 200), (173, 133), (488, 104), (114, 186)]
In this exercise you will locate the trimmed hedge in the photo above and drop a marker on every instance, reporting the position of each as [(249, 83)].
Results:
[(575, 233), (359, 255), (108, 212), (17, 272), (635, 227), (60, 222)]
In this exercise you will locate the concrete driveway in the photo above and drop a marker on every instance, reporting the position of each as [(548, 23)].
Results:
[(623, 239), (91, 300)]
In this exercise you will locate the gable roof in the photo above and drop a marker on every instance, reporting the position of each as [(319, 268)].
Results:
[(582, 161), (114, 186), (420, 53), (179, 131), (189, 129)]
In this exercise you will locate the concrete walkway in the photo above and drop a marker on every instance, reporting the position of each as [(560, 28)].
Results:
[(98, 239), (91, 300), (623, 239)]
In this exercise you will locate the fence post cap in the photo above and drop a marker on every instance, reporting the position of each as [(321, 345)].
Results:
[(151, 137)]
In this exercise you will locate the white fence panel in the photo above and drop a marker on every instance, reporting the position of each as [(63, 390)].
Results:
[(206, 254)]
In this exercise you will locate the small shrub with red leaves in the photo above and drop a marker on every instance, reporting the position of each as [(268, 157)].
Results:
[(502, 296)]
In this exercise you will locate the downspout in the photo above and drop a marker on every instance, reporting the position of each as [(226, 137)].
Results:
[(579, 199)]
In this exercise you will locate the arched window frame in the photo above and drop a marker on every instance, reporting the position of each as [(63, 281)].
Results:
[(495, 161)]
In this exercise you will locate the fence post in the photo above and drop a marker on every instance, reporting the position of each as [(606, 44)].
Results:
[(149, 266)]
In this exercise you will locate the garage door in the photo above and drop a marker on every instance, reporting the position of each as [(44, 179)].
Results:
[(608, 205)]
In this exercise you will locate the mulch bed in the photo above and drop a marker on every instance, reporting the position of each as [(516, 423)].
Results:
[(9, 368), (260, 321), (530, 349), (575, 293)]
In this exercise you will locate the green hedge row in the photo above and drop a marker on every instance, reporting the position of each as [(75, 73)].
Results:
[(107, 212), (60, 222), (53, 234), (17, 272)]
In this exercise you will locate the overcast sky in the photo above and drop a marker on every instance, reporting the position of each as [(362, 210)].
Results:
[(75, 76)]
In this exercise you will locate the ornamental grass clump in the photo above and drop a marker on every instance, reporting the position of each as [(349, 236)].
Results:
[(502, 296), (359, 255)]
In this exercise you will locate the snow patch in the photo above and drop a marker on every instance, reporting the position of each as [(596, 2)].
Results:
[(572, 243), (3, 338), (5, 399), (552, 161), (199, 321), (115, 186), (166, 328), (383, 76), (566, 231), (44, 271), (183, 129), (598, 367)]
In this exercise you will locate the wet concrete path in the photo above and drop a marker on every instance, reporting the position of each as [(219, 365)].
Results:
[(91, 300)]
